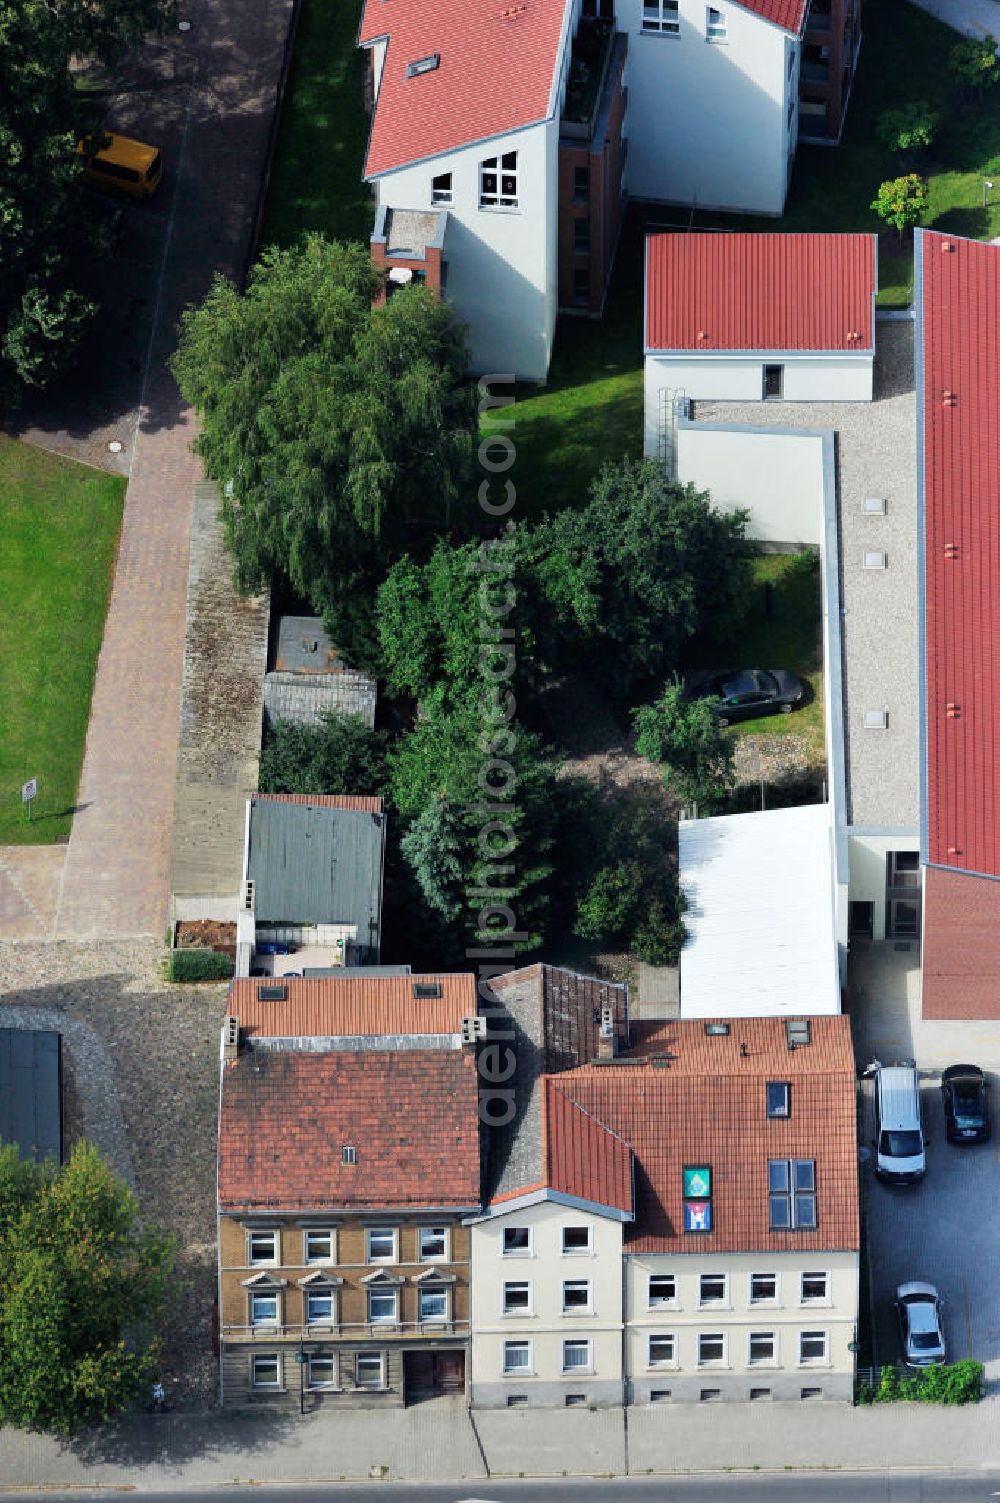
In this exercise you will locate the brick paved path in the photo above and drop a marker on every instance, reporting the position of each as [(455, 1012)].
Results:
[(117, 864)]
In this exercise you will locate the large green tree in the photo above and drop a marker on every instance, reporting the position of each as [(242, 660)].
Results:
[(82, 1284), (341, 434), (685, 735), (340, 755), (645, 565), (44, 219)]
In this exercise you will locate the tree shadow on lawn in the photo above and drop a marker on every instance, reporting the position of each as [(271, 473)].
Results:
[(563, 437), (973, 223)]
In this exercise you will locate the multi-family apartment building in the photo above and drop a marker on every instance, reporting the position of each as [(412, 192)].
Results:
[(672, 1217), (348, 1165), (505, 140)]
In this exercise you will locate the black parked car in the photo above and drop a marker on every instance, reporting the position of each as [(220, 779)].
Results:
[(966, 1111), (746, 693)]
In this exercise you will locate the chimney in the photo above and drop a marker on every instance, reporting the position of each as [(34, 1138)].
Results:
[(607, 1040), (473, 1033), (230, 1039)]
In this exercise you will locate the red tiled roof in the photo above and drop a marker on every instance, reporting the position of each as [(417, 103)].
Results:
[(706, 1106), (359, 802), (584, 1158), (341, 1006), (769, 291), (959, 333), (412, 1117), (788, 14), (497, 62), (961, 945)]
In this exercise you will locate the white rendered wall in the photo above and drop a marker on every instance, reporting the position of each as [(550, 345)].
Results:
[(827, 379), (502, 270), (545, 1268), (708, 121), (741, 379), (867, 857), (776, 476)]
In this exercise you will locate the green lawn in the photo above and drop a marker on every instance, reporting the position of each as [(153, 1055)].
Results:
[(60, 534), (782, 630), (316, 175)]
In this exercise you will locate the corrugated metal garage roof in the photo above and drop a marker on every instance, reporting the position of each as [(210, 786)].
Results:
[(31, 1092), (760, 915), (311, 864)]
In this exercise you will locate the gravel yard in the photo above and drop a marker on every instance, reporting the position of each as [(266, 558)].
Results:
[(141, 1062)]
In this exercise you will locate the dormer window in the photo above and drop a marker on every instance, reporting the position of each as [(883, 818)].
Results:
[(498, 182), (441, 188), (423, 65)]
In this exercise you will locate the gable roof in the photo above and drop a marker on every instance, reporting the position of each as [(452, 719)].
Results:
[(583, 1158), (762, 292), (552, 1018), (790, 15), (411, 1116), (495, 72), (706, 1105), (359, 1006), (958, 368), (316, 863)]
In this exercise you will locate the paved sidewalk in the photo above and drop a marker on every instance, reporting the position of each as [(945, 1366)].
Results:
[(117, 865), (437, 1441)]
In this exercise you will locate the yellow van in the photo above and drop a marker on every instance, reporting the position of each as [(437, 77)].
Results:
[(122, 166)]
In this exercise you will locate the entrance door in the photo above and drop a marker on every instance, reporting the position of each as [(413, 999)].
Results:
[(860, 920), (428, 1374), (774, 381)]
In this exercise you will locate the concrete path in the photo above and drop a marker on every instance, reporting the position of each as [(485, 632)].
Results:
[(438, 1441), (971, 17), (117, 865)]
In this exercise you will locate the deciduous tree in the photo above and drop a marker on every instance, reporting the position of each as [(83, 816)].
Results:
[(902, 201), (685, 735), (340, 755)]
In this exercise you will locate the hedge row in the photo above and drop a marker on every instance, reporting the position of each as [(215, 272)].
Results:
[(950, 1383), (200, 965)]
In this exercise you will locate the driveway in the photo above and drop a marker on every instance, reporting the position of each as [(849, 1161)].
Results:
[(208, 97)]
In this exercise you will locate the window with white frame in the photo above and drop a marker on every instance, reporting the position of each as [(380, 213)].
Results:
[(792, 1192), (265, 1370), (575, 1295), (762, 1347), (711, 1348), (382, 1305), (713, 1289), (318, 1245), (432, 1302), (369, 1370), (815, 1288), (517, 1356), (433, 1244), (763, 1288), (662, 1289), (381, 1244), (576, 1239), (661, 16), (576, 1356), (662, 1350), (517, 1298), (264, 1307), (517, 1241), (321, 1371), (715, 24), (441, 188), (498, 182), (320, 1306), (813, 1346), (262, 1247)]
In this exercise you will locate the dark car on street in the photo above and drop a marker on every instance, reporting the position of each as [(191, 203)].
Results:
[(745, 693), (966, 1110)]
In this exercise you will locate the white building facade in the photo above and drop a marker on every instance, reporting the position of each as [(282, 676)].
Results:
[(713, 104)]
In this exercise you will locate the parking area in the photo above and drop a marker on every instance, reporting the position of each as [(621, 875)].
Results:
[(946, 1228)]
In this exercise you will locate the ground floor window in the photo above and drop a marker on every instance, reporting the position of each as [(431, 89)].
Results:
[(322, 1370), (369, 1370), (265, 1370), (813, 1346)]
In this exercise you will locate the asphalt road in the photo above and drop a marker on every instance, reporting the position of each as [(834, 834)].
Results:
[(747, 1487)]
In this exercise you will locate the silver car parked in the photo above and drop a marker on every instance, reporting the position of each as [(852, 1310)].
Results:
[(919, 1309)]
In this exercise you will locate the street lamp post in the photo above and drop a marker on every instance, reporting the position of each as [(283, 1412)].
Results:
[(987, 185), (300, 1362)]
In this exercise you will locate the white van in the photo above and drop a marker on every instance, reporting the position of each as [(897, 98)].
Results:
[(900, 1157)]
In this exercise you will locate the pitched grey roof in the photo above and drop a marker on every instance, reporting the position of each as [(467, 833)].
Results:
[(316, 865)]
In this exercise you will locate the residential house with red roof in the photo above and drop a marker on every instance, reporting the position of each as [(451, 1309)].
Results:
[(504, 139), (348, 1163), (757, 317), (672, 1217)]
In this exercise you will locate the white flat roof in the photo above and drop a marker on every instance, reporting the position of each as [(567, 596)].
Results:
[(760, 915)]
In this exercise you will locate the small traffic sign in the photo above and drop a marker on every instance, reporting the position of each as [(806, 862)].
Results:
[(29, 790)]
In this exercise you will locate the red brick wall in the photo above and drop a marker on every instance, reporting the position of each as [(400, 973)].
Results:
[(603, 212), (430, 266)]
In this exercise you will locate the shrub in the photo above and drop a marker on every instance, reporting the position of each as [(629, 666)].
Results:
[(950, 1383), (685, 734), (909, 130), (902, 201), (974, 64), (200, 965)]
